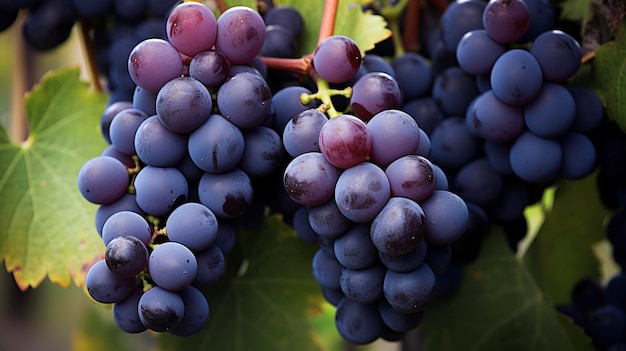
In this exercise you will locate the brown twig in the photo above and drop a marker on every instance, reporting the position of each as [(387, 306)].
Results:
[(410, 33), (90, 55), (221, 5), (439, 5), (18, 130), (296, 65)]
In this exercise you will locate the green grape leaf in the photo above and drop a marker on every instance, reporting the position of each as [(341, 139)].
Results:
[(609, 75), (232, 3), (498, 306), (46, 227), (576, 10), (562, 251), (267, 298), (365, 28)]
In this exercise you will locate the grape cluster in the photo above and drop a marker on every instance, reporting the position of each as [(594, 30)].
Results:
[(379, 209), (178, 172), (506, 123), (600, 310)]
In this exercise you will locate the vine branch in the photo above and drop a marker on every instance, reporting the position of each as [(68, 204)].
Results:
[(90, 55), (329, 16)]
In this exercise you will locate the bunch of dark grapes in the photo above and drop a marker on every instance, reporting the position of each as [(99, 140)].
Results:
[(179, 169), (379, 209), (600, 310), (503, 120)]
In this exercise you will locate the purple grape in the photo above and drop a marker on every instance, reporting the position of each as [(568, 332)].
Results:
[(412, 176), (126, 314), (159, 190), (172, 266), (158, 146), (363, 285), (516, 77), (506, 21), (217, 145), (301, 134), (183, 104), (494, 120), (196, 312), (477, 52), (446, 217), (227, 194), (375, 92), (210, 67), (126, 256), (193, 225), (558, 54), (337, 59), (394, 134), (362, 191), (354, 249), (240, 34), (105, 286), (103, 180), (161, 310), (536, 159), (191, 27), (154, 62), (345, 141), (409, 292), (399, 227), (309, 179), (244, 99), (349, 320)]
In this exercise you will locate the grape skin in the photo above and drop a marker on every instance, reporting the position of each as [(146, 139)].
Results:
[(310, 180), (126, 256), (361, 192), (172, 266), (102, 180), (191, 27), (154, 62), (160, 310), (337, 59), (345, 141), (240, 34)]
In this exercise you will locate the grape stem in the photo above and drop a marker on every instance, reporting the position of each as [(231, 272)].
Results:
[(90, 53), (324, 93), (220, 5), (18, 128), (410, 35), (296, 65), (327, 25)]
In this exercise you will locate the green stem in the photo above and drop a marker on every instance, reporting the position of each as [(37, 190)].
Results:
[(324, 94), (392, 14), (398, 45)]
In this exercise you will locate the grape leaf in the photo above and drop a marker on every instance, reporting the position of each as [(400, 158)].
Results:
[(267, 298), (365, 28), (498, 307), (609, 75), (232, 3), (46, 227), (576, 10), (562, 252)]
